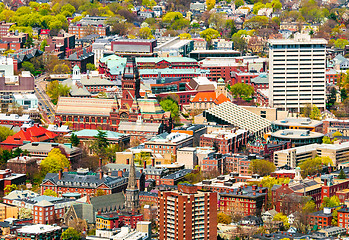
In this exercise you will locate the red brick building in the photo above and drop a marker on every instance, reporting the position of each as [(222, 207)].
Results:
[(5, 28), (332, 76), (246, 200), (87, 184), (7, 177), (244, 77), (321, 219), (81, 30), (187, 214), (343, 218)]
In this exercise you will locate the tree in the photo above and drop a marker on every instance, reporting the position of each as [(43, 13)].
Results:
[(145, 33), (342, 175), (328, 140), (341, 43), (209, 34), (10, 188), (306, 110), (141, 157), (5, 132), (43, 45), (330, 202), (262, 167), (55, 89), (100, 144), (242, 90), (25, 213), (169, 104), (149, 3), (183, 36), (175, 20), (210, 4), (61, 69), (315, 113), (217, 21), (28, 66), (49, 192), (223, 218), (283, 218), (309, 207), (312, 166), (74, 140), (239, 3), (91, 67), (70, 234), (54, 161)]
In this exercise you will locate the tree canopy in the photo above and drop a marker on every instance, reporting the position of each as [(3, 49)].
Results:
[(168, 104), (262, 167), (49, 192), (223, 218), (70, 234), (242, 90), (5, 132), (313, 166), (54, 161), (56, 90), (209, 34)]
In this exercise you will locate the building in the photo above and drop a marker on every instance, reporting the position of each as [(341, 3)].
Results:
[(174, 178), (5, 28), (188, 157), (229, 113), (290, 86), (39, 231), (168, 144), (321, 219), (202, 54), (27, 135), (22, 164), (222, 44), (23, 83), (246, 200), (83, 182), (266, 149), (343, 216), (132, 191), (293, 156), (8, 211), (80, 57), (297, 123), (27, 101), (135, 47), (197, 218), (89, 25), (15, 119), (297, 137), (175, 47), (334, 125), (225, 141)]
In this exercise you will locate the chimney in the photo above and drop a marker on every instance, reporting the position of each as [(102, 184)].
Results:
[(145, 164), (60, 173), (100, 162), (127, 161), (120, 173), (325, 182), (254, 193), (100, 174), (153, 162)]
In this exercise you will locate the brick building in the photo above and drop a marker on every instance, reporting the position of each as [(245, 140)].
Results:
[(267, 149), (321, 219), (7, 177), (174, 178), (225, 141), (332, 76), (5, 28), (15, 119), (152, 172), (22, 164), (343, 218), (39, 231), (80, 56), (84, 182), (246, 200), (187, 214)]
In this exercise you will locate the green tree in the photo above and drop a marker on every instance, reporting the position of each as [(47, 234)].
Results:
[(10, 188), (223, 218), (100, 144), (262, 167), (309, 207), (145, 33), (55, 89), (110, 151), (342, 175), (169, 104), (54, 161), (239, 3), (341, 43), (175, 21), (70, 234), (330, 202), (91, 67), (28, 66), (74, 140), (141, 157), (5, 132), (283, 218), (100, 192), (149, 3), (312, 166), (328, 140), (242, 90), (61, 69), (68, 8), (43, 45), (306, 110), (315, 113), (49, 192), (183, 36), (209, 34)]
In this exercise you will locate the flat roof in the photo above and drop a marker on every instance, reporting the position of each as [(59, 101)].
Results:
[(298, 122), (38, 228), (295, 134)]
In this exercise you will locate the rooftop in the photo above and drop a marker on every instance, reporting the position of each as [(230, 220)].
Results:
[(110, 135), (298, 122), (38, 228), (296, 134)]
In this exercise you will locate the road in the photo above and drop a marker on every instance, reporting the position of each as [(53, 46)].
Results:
[(45, 104)]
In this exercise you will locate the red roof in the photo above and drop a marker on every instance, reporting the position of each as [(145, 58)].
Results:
[(32, 134), (45, 31), (210, 97)]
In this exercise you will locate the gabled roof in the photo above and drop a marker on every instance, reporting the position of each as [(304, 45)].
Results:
[(32, 134)]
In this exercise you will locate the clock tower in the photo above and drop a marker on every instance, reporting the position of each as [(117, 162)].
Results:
[(130, 84)]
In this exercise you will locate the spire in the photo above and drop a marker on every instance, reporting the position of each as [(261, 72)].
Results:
[(132, 183)]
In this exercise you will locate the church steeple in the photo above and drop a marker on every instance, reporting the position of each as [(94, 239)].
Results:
[(132, 191)]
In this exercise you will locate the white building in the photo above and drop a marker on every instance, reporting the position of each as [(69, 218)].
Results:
[(6, 66), (297, 72), (27, 101)]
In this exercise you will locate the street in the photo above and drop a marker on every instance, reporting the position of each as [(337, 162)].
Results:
[(45, 105)]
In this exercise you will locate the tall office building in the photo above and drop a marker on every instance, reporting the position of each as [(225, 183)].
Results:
[(297, 72), (187, 214)]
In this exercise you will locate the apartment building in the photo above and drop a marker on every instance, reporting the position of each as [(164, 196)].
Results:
[(187, 214), (297, 72)]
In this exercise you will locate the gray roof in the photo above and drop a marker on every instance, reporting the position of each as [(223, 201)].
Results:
[(178, 174), (77, 89), (46, 147), (84, 211), (261, 79), (143, 127), (89, 180), (108, 202)]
